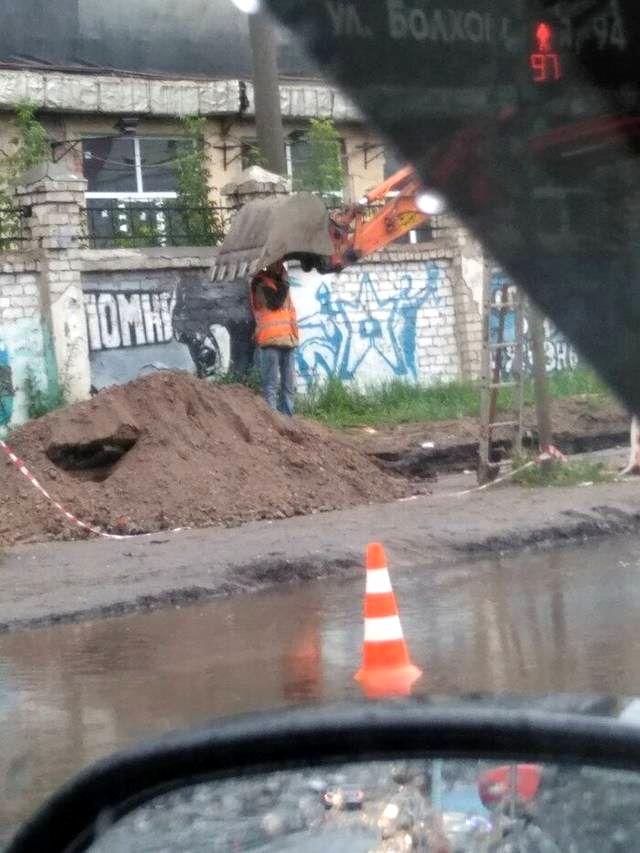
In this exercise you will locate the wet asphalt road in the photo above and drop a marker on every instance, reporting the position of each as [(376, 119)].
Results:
[(565, 621)]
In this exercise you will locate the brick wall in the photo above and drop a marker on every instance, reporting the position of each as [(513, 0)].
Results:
[(406, 314)]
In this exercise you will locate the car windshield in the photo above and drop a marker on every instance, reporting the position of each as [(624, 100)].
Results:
[(305, 305)]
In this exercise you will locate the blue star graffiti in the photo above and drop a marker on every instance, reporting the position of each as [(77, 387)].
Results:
[(343, 336)]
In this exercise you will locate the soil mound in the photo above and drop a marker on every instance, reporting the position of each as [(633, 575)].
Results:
[(169, 450)]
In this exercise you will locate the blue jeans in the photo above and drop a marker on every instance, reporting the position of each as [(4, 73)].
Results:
[(277, 366)]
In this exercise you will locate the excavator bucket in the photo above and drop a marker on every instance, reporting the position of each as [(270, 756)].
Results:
[(267, 230)]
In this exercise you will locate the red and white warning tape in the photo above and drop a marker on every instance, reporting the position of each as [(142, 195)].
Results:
[(71, 518), (548, 453), (475, 489), (495, 482)]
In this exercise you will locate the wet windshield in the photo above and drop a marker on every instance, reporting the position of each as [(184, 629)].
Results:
[(318, 375), (524, 118)]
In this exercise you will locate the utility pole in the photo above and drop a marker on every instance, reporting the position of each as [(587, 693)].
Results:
[(266, 89), (540, 379)]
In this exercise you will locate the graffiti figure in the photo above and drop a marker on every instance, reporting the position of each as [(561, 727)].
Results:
[(326, 335), (6, 388), (215, 326), (404, 316)]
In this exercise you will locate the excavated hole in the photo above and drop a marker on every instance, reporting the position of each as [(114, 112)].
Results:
[(94, 460), (423, 464)]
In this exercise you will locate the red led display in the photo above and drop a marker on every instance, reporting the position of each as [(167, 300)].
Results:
[(544, 61)]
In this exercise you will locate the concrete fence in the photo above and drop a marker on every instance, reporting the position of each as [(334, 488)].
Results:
[(73, 319)]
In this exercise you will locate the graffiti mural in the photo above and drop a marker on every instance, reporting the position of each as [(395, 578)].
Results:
[(23, 353), (214, 322), (168, 320), (371, 335), (560, 354), (6, 388), (117, 319)]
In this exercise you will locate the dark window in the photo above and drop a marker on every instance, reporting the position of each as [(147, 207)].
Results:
[(157, 161), (298, 160), (307, 176), (110, 165)]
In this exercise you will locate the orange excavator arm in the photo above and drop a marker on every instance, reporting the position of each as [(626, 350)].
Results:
[(386, 213), (392, 209), (295, 227)]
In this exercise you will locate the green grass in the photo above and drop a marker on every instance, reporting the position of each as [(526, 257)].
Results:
[(395, 402), (571, 383), (250, 378), (570, 473)]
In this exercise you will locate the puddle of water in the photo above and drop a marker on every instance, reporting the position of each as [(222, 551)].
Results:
[(559, 622)]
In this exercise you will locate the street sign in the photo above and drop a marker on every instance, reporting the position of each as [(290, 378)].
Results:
[(478, 46)]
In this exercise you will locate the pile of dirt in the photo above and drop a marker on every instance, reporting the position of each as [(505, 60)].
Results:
[(169, 450)]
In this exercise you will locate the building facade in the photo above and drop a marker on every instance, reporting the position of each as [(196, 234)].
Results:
[(122, 132)]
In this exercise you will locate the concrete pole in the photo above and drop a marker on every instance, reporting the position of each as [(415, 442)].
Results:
[(267, 93), (540, 379)]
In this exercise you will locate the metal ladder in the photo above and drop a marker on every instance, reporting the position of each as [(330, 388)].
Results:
[(498, 303)]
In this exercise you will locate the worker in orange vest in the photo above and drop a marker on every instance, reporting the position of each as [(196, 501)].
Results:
[(276, 336)]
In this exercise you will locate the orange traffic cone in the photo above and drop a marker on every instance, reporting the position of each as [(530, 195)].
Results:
[(386, 667)]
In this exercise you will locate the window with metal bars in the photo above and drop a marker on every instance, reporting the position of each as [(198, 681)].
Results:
[(132, 197)]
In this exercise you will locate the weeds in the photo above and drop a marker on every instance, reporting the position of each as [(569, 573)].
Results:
[(572, 383), (395, 402), (142, 235), (39, 401), (250, 378), (571, 473), (201, 222), (31, 147), (321, 169)]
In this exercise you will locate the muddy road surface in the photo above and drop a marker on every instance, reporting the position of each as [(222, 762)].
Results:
[(563, 621), (52, 582)]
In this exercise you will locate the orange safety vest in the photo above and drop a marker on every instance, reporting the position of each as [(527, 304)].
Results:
[(273, 328)]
